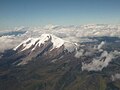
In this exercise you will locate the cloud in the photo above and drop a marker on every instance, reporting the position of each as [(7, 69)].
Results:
[(9, 42), (76, 34), (97, 64), (115, 77), (6, 42), (70, 33), (79, 53)]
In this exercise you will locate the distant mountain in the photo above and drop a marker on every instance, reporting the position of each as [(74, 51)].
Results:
[(46, 45)]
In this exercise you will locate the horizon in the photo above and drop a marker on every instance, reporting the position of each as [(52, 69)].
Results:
[(53, 25)]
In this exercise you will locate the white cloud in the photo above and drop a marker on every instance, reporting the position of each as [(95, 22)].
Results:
[(79, 53), (8, 42), (97, 64), (115, 77), (70, 33)]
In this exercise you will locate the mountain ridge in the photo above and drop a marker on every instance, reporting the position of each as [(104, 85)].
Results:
[(47, 44)]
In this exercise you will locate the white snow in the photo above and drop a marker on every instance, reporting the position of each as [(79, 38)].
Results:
[(101, 45), (26, 44), (56, 41), (43, 38)]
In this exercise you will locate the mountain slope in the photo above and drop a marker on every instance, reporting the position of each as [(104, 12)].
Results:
[(46, 45), (66, 73)]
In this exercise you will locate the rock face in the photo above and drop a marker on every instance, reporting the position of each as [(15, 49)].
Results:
[(46, 45)]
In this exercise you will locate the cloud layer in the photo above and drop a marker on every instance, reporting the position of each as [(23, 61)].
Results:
[(76, 34), (70, 33)]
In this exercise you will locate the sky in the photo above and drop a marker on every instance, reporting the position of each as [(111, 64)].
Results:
[(59, 12)]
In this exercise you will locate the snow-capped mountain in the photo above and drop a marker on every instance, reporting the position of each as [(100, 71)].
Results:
[(66, 63), (46, 45)]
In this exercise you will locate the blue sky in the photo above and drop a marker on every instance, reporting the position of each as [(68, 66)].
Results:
[(61, 12)]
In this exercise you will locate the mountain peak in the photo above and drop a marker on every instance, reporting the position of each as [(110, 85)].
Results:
[(47, 44)]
